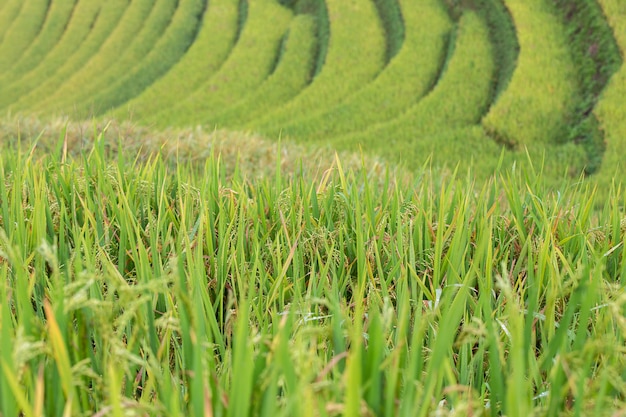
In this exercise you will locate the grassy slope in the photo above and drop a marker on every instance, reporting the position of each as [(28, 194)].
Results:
[(163, 290), (540, 98), (459, 99), (8, 15), (355, 55), (611, 111), (54, 27), (24, 29), (250, 62), (167, 51), (88, 30), (79, 27), (292, 73), (144, 23), (95, 35), (213, 44), (404, 81)]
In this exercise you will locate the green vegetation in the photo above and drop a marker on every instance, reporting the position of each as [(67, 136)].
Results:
[(596, 57), (503, 39), (251, 61), (143, 24), (179, 35), (180, 260), (23, 31), (89, 27), (385, 76), (460, 98), (55, 24), (611, 111), (214, 42), (151, 287), (8, 15), (355, 55), (292, 74), (410, 74), (540, 98)]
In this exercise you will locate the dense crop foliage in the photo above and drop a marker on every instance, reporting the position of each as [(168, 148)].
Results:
[(89, 27), (540, 97), (7, 15), (163, 254), (197, 270), (460, 98), (356, 45), (292, 73), (412, 71), (54, 26), (23, 30), (214, 42), (157, 288), (380, 75), (134, 37), (611, 111), (251, 61)]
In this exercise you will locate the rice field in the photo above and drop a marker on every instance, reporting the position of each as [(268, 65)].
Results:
[(312, 208)]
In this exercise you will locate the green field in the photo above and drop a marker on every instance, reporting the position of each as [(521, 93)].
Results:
[(312, 208)]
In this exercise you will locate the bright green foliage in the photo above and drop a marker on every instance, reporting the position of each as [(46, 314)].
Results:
[(156, 288), (503, 39), (392, 77), (59, 14), (391, 17), (459, 99), (596, 57), (611, 111), (91, 24), (250, 62), (84, 15), (147, 22), (539, 101), (167, 51), (8, 15), (407, 78), (211, 48), (24, 29), (134, 19), (292, 74), (355, 55)]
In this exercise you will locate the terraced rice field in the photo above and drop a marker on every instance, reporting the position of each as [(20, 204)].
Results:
[(178, 260), (481, 81)]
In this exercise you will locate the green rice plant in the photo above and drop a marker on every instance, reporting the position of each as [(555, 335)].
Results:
[(459, 99), (59, 14), (292, 74), (250, 62), (610, 109), (147, 21), (597, 58), (7, 16), (78, 28), (166, 52), (23, 31), (89, 27), (119, 39), (356, 47), (391, 16), (214, 42), (141, 287), (504, 40), (404, 81), (540, 98)]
